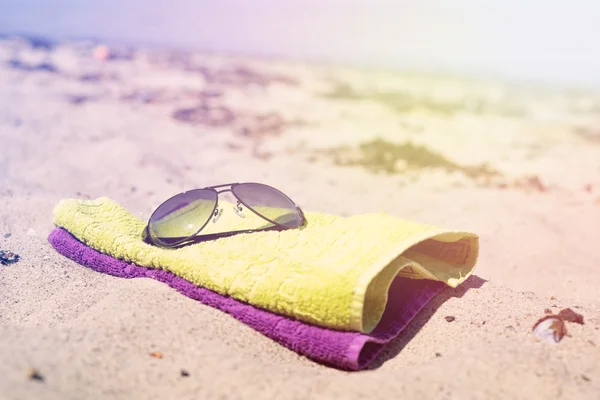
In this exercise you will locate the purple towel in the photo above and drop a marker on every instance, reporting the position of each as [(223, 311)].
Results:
[(344, 350)]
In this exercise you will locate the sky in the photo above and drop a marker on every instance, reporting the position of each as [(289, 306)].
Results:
[(533, 40)]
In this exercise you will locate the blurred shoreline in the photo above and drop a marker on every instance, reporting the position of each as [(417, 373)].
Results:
[(203, 89), (377, 66)]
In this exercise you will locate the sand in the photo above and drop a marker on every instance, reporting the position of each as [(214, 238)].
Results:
[(519, 165)]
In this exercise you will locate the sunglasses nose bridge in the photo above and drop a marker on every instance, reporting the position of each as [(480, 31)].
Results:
[(223, 191), (236, 209), (233, 195)]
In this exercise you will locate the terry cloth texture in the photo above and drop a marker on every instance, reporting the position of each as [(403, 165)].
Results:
[(334, 272)]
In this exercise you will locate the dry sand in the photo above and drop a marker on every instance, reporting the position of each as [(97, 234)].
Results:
[(518, 165)]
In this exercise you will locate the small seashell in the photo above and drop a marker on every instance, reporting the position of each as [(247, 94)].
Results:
[(550, 329)]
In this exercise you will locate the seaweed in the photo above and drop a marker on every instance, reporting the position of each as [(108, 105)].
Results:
[(44, 66), (379, 155), (405, 102), (205, 115)]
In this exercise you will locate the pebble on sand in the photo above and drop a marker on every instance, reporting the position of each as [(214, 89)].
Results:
[(101, 53), (34, 375), (8, 257), (571, 316)]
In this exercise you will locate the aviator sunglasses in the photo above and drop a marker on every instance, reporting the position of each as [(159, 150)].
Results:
[(180, 220)]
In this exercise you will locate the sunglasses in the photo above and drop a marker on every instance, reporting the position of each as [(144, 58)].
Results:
[(178, 221)]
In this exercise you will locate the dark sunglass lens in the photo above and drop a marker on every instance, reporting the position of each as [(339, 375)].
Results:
[(182, 215), (269, 202)]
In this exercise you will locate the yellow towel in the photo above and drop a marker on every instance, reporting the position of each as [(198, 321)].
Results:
[(334, 272)]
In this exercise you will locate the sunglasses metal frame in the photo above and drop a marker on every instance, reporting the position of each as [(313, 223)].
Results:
[(182, 241)]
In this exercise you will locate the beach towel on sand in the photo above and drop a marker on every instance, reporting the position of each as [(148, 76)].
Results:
[(335, 272), (340, 349)]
